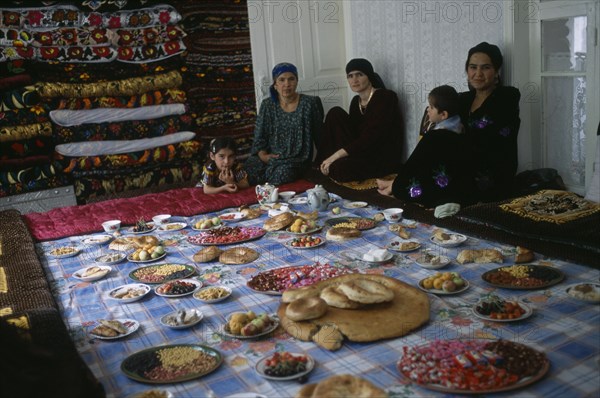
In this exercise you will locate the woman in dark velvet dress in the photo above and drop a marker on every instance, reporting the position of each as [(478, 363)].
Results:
[(490, 114), (367, 142)]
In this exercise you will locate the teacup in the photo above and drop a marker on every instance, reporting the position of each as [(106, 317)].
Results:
[(393, 214), (161, 219), (111, 226), (286, 195)]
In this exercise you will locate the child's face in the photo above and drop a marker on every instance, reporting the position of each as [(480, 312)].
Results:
[(224, 158), (434, 115)]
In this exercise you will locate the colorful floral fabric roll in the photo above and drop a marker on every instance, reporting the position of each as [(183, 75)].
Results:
[(150, 52), (18, 98), (131, 86), (156, 97), (57, 37), (32, 114), (43, 145), (31, 173), (20, 164), (151, 35), (15, 133), (98, 185), (123, 130), (14, 81), (164, 154)]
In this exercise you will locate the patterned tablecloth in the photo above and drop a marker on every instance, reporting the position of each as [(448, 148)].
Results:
[(567, 330)]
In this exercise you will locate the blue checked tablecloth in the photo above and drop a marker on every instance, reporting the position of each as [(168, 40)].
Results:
[(567, 330)]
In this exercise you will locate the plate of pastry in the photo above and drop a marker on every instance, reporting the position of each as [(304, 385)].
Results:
[(114, 329), (92, 273)]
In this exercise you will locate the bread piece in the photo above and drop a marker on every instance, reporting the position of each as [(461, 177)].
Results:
[(399, 230), (115, 325), (278, 222), (523, 255), (238, 255), (482, 256), (343, 386), (328, 337), (104, 331), (305, 291), (207, 254), (366, 291), (306, 391), (127, 243), (335, 298), (304, 309), (251, 213), (440, 235), (341, 234)]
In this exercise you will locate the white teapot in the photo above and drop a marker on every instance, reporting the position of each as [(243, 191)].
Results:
[(318, 198), (266, 193)]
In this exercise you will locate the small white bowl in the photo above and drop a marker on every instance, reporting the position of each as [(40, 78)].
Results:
[(161, 219), (393, 214), (286, 195), (281, 210), (111, 226)]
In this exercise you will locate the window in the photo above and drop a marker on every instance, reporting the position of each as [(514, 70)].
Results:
[(564, 66)]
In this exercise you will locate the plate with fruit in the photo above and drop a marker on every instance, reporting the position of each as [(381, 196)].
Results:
[(305, 242), (153, 253), (178, 288), (141, 227), (248, 325), (301, 226), (204, 224), (284, 366), (444, 283), (497, 309)]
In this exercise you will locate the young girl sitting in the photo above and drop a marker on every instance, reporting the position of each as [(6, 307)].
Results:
[(223, 173)]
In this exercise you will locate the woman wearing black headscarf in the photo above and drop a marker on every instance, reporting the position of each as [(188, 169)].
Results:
[(367, 142), (490, 113)]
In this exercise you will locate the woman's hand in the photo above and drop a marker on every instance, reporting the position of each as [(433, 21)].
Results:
[(326, 164), (384, 187), (265, 157)]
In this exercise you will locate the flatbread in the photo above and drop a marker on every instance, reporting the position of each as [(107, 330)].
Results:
[(278, 222), (238, 255), (343, 386), (480, 256), (406, 312), (207, 254)]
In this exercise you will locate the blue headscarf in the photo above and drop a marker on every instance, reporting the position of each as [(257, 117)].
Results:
[(278, 70)]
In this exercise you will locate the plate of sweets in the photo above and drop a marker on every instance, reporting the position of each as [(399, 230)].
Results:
[(178, 288), (248, 325), (114, 329), (589, 292), (171, 363), (360, 223), (276, 281), (496, 309), (64, 251), (444, 239), (182, 318), (96, 240), (161, 273), (283, 366), (172, 227), (141, 227), (213, 294), (129, 293), (472, 366), (92, 273), (523, 276), (110, 258), (226, 236), (403, 245), (234, 216)]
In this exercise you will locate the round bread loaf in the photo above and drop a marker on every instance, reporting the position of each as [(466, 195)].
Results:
[(293, 294), (342, 386), (366, 291), (238, 255), (307, 308), (278, 222), (207, 254), (334, 298), (127, 243), (340, 234)]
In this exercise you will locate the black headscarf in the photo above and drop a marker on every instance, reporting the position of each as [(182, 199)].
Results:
[(364, 66)]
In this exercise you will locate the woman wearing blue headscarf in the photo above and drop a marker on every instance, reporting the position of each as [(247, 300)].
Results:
[(286, 128)]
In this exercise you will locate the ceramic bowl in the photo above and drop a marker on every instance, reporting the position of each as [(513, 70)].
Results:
[(111, 226), (286, 195), (393, 214), (161, 219)]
